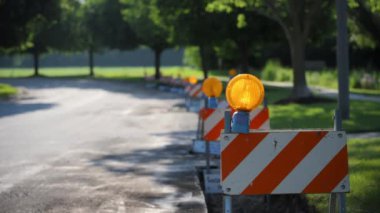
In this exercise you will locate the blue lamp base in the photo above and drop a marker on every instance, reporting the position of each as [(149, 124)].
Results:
[(240, 122), (212, 103)]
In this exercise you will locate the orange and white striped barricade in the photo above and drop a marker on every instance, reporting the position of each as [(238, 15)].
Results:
[(259, 119), (196, 91), (284, 162), (221, 105), (213, 124), (194, 101), (176, 85), (164, 83)]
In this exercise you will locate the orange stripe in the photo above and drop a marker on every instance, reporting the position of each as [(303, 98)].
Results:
[(237, 150), (206, 112), (331, 175), (259, 119), (215, 132), (284, 162), (196, 92)]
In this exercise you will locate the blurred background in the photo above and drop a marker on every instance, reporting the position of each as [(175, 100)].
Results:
[(52, 53), (279, 40)]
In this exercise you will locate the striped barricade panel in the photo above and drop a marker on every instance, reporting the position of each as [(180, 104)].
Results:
[(196, 91), (187, 89), (284, 162), (214, 121)]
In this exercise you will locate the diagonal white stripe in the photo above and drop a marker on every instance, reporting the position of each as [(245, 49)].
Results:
[(213, 120), (313, 163), (343, 186), (195, 89), (256, 161), (227, 139), (254, 113), (265, 125)]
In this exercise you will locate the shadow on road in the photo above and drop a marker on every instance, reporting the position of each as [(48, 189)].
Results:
[(13, 108), (170, 165)]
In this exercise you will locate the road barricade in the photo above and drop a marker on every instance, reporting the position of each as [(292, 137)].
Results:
[(213, 124), (284, 162), (194, 99)]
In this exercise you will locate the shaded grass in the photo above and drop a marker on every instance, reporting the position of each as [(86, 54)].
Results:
[(364, 116), (7, 90), (106, 72), (364, 162)]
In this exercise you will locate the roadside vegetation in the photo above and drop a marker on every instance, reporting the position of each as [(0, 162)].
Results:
[(364, 164), (361, 81), (7, 91)]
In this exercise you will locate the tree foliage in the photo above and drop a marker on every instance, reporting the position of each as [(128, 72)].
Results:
[(143, 16), (190, 24), (297, 19), (18, 19), (366, 27), (103, 26)]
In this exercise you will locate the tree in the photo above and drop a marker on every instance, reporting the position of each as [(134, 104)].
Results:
[(248, 32), (103, 27), (143, 17), (366, 15), (296, 18), (192, 25), (45, 31), (15, 16)]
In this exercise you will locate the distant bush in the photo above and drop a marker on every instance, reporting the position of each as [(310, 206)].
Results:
[(273, 71)]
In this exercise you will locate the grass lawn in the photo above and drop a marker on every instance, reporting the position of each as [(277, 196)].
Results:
[(104, 72), (364, 162), (365, 115), (324, 79), (7, 90)]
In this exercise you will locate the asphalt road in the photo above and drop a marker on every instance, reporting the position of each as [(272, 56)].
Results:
[(82, 145)]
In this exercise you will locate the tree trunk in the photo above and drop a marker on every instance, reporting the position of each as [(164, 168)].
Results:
[(157, 63), (91, 61), (297, 49), (36, 61), (202, 53)]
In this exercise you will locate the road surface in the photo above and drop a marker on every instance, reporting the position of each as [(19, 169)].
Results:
[(82, 145)]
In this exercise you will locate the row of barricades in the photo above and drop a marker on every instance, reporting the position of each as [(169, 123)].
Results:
[(257, 160)]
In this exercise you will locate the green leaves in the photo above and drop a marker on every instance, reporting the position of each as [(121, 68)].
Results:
[(144, 19), (241, 22)]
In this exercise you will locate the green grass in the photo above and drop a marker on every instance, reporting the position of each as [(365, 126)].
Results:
[(364, 116), (102, 72), (364, 162), (273, 71), (7, 90)]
